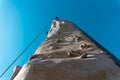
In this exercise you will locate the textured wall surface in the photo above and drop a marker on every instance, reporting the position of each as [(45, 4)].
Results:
[(68, 54)]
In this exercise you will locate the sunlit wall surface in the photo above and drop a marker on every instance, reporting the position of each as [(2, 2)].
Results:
[(22, 20)]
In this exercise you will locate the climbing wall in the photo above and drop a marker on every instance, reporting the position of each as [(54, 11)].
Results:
[(68, 54)]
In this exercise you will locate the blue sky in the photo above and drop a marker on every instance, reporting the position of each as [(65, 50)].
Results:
[(22, 20)]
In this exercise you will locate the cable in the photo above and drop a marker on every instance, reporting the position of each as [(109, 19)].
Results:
[(24, 50), (33, 47)]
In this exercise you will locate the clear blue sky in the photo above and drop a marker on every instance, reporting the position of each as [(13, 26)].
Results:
[(22, 20)]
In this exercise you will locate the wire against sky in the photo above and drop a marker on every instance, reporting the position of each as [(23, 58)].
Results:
[(25, 49)]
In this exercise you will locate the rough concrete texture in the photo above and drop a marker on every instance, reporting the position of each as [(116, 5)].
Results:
[(68, 54)]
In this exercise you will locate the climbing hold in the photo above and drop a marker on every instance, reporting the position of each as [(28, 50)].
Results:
[(33, 56), (78, 39), (73, 53), (83, 55), (83, 45)]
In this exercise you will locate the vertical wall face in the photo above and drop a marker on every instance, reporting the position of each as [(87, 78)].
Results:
[(65, 37), (68, 54)]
